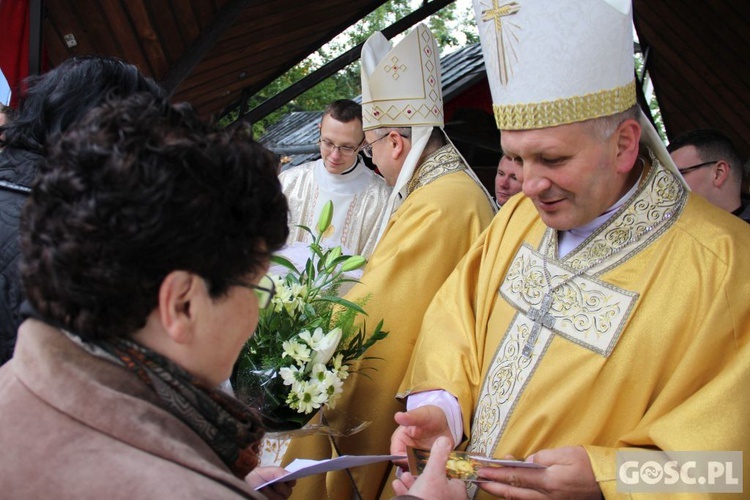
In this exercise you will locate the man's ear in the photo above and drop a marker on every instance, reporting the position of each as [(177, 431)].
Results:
[(721, 172), (628, 136), (177, 303), (400, 146)]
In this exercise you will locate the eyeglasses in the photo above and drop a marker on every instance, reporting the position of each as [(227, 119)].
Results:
[(264, 290), (685, 170), (367, 148), (343, 150)]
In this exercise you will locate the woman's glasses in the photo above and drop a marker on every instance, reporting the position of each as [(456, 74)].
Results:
[(264, 290)]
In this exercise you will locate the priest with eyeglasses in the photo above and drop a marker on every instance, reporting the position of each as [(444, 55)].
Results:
[(359, 195)]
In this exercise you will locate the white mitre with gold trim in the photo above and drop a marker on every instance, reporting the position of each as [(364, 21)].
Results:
[(554, 62), (401, 85), (401, 88)]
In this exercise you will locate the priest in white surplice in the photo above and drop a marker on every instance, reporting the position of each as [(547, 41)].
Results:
[(359, 195)]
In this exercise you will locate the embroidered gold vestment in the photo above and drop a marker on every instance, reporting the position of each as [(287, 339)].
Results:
[(645, 342)]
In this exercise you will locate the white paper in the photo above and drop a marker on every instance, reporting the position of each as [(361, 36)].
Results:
[(300, 468)]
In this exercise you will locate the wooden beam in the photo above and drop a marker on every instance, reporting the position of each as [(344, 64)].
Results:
[(35, 37), (272, 104), (203, 44)]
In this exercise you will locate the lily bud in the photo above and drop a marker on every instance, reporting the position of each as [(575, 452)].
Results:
[(332, 256), (325, 217), (353, 262), (327, 347)]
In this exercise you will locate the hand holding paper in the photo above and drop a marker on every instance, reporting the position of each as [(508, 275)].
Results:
[(432, 482), (564, 473)]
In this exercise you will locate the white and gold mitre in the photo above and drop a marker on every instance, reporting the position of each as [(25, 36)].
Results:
[(552, 62), (401, 85)]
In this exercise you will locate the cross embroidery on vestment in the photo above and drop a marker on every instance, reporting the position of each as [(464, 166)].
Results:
[(541, 318)]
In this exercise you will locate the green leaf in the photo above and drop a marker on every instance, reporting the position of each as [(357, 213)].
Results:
[(282, 261)]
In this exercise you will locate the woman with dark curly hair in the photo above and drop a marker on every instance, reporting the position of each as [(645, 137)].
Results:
[(49, 105), (145, 244)]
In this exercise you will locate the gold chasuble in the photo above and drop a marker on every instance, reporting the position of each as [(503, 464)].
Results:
[(443, 214), (598, 348)]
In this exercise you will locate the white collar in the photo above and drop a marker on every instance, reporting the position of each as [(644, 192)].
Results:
[(568, 240)]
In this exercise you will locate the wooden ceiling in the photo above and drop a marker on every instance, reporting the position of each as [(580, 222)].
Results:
[(206, 51), (698, 56), (213, 52)]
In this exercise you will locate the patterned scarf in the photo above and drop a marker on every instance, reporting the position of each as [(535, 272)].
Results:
[(230, 428)]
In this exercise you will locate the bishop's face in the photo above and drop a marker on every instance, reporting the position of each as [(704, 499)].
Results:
[(568, 172), (338, 143)]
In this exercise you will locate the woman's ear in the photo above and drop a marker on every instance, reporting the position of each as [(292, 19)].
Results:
[(177, 303)]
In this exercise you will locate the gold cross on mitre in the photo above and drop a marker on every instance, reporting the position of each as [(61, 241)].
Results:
[(496, 13)]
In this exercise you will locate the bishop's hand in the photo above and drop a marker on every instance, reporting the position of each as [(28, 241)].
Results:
[(419, 428), (568, 475)]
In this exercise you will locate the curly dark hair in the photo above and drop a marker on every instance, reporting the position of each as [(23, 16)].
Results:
[(52, 102), (138, 189)]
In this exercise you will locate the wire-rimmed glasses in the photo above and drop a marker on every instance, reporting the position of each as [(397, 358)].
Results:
[(343, 150), (367, 148)]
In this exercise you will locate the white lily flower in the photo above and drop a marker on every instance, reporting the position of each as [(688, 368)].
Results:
[(327, 346)]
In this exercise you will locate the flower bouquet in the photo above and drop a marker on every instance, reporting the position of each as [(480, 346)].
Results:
[(306, 339)]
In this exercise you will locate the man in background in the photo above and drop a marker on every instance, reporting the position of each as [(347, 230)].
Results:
[(358, 194), (508, 180), (712, 167)]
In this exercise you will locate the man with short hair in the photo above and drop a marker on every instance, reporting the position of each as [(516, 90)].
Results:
[(358, 194), (559, 338), (508, 179), (712, 167), (436, 210)]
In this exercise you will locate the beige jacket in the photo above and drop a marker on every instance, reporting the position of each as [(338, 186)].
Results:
[(76, 426)]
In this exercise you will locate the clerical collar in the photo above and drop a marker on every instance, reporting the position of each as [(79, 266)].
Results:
[(568, 240), (354, 165)]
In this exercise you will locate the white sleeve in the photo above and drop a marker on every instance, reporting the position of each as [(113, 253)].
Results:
[(446, 402)]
